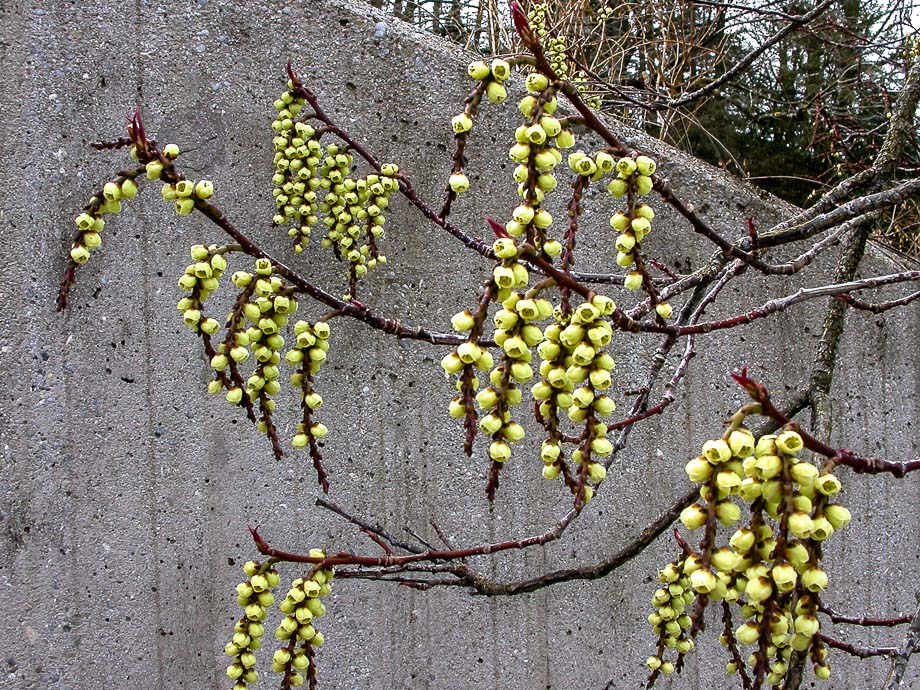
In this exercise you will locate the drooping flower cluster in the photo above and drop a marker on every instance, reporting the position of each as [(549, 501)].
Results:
[(770, 568), (302, 607), (255, 596), (90, 223)]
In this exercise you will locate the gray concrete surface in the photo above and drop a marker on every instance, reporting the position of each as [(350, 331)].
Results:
[(125, 491)]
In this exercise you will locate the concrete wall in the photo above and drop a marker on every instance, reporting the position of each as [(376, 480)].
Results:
[(125, 491)]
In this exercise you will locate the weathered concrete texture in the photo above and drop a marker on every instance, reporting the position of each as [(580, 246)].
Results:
[(126, 492)]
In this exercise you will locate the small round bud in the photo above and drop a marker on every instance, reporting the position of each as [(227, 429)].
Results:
[(478, 70)]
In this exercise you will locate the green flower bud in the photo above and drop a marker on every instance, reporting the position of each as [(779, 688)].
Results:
[(566, 140), (499, 451), (789, 442), (800, 524), (496, 92), (596, 472), (536, 82), (758, 588), (504, 247), (699, 470), (821, 529), (633, 281), (204, 189), (838, 516), (184, 206), (80, 255), (741, 441), (500, 69), (784, 576), (604, 405), (693, 516), (814, 579), (807, 625), (727, 513), (645, 165), (513, 432), (664, 310), (461, 123), (535, 134), (462, 321), (645, 211), (703, 581), (544, 161), (728, 481), (478, 70), (602, 447), (768, 466), (111, 191), (459, 183), (171, 151), (604, 161), (716, 451), (643, 184), (827, 484), (128, 188), (154, 170), (542, 219)]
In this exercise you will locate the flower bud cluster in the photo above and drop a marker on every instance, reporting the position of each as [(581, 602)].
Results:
[(575, 369), (298, 154), (670, 620), (770, 568), (184, 193), (494, 76), (516, 333), (536, 151), (266, 310), (308, 354), (354, 209), (555, 49), (254, 596), (302, 607), (90, 223), (201, 278), (635, 222)]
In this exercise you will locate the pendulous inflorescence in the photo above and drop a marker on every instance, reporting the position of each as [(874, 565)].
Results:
[(767, 574)]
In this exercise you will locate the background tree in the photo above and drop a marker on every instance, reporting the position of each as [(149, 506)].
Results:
[(809, 111)]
